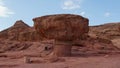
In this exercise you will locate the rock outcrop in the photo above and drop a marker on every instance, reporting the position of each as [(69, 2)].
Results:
[(16, 29), (13, 32), (69, 33), (62, 26), (20, 32), (107, 31), (110, 31)]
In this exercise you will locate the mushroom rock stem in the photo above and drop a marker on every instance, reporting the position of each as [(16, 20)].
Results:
[(62, 48)]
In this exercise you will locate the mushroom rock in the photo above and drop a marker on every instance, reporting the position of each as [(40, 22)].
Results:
[(64, 28)]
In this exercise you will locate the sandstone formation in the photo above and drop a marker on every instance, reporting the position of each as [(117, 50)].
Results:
[(95, 44), (62, 27), (110, 31), (52, 36), (29, 35), (66, 31), (16, 29), (13, 32), (20, 32), (107, 31)]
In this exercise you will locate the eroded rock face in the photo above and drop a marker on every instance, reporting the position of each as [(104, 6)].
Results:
[(69, 31), (16, 29), (110, 31), (20, 32), (30, 35), (13, 32), (62, 26)]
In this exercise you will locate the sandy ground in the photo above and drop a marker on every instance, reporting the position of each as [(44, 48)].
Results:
[(106, 61)]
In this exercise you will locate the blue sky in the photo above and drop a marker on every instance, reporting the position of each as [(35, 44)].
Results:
[(98, 11)]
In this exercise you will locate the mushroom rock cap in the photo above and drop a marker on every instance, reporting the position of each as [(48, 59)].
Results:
[(61, 26)]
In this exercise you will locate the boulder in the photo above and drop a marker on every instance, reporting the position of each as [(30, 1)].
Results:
[(62, 26)]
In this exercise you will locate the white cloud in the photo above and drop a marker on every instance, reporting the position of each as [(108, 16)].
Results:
[(4, 11), (71, 4), (82, 13), (107, 14)]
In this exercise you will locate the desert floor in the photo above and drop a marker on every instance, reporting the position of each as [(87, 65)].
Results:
[(103, 61)]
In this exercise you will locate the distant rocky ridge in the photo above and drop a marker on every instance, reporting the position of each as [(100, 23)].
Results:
[(23, 37), (19, 32), (110, 31), (107, 31)]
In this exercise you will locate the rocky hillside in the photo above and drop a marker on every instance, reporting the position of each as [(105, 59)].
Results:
[(21, 37), (110, 31), (20, 31)]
